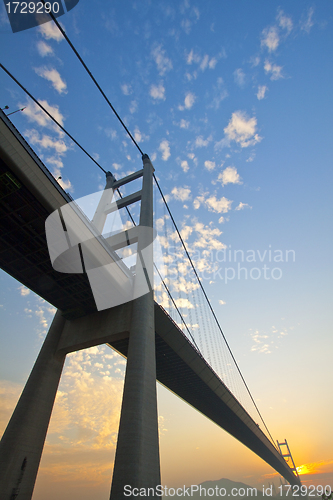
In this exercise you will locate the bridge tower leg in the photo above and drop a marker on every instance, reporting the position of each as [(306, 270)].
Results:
[(23, 441), (137, 461)]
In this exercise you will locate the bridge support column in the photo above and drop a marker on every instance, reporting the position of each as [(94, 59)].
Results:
[(22, 443), (137, 461)]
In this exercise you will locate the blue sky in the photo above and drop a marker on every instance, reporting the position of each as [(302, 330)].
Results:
[(233, 103)]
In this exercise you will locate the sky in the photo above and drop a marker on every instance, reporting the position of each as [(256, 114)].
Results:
[(232, 101)]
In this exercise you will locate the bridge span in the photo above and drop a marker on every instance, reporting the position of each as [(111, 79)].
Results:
[(28, 195)]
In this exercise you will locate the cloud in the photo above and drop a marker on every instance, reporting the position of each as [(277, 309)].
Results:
[(307, 22), (219, 94), (270, 38), (35, 114), (46, 141), (229, 176), (165, 149), (285, 22), (133, 107), (126, 89), (193, 58), (200, 142), (209, 165), (51, 32), (188, 101), (222, 302), (181, 194), (242, 129), (56, 172), (44, 49), (24, 291), (53, 76), (140, 136), (110, 133), (259, 344), (241, 206), (184, 124), (185, 166), (208, 240), (274, 69), (157, 92), (203, 62), (262, 89), (239, 77), (163, 63), (222, 205)]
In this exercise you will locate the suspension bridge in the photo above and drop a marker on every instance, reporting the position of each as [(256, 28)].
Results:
[(169, 334)]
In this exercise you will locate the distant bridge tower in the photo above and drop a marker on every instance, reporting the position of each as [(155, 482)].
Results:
[(286, 453)]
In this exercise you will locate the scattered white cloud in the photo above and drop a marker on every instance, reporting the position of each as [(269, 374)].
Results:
[(188, 101), (133, 107), (307, 21), (255, 61), (285, 22), (274, 69), (270, 38), (185, 166), (44, 49), (157, 91), (259, 343), (140, 136), (262, 89), (51, 32), (181, 194), (242, 129), (193, 58), (222, 205), (207, 239), (110, 133), (53, 76), (241, 206), (239, 77), (24, 290), (46, 142), (165, 150), (212, 63), (204, 63), (222, 302), (35, 114), (200, 142), (184, 123), (229, 176), (126, 89), (163, 63), (209, 165), (219, 94)]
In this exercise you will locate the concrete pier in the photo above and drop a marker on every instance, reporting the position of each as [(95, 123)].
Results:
[(137, 461), (23, 441)]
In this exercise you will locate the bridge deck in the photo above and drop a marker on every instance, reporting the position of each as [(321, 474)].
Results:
[(28, 194)]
